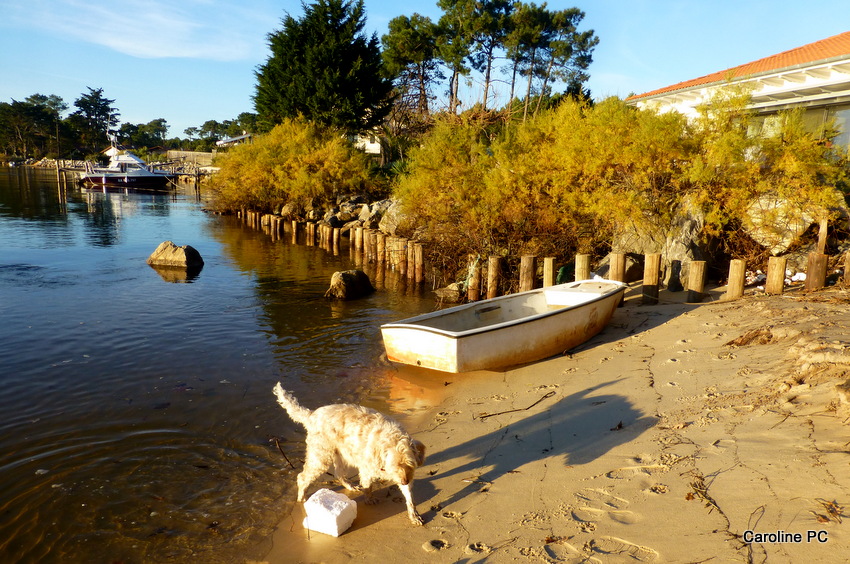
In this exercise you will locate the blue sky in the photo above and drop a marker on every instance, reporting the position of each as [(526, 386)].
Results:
[(194, 60)]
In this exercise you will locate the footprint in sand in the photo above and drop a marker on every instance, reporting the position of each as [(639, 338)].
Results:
[(435, 545), (602, 498), (632, 471), (599, 504), (623, 548), (477, 548)]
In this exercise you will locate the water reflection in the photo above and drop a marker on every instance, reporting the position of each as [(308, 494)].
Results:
[(136, 413), (177, 274)]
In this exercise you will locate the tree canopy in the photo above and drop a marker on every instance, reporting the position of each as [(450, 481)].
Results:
[(94, 117), (538, 48), (324, 68), (297, 162), (570, 178)]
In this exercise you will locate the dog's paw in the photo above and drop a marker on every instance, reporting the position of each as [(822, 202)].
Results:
[(416, 519)]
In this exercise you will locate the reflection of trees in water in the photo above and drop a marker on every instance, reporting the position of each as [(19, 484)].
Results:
[(104, 212), (313, 338), (290, 279), (27, 194), (99, 219), (34, 195)]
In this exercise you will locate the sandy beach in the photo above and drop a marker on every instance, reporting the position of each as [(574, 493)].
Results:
[(717, 432)]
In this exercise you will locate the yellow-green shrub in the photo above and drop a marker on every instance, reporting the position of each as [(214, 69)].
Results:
[(296, 162)]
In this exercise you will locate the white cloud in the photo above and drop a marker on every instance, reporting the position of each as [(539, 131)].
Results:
[(199, 29)]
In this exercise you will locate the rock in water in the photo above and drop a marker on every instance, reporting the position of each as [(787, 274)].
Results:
[(169, 254), (349, 284), (329, 512)]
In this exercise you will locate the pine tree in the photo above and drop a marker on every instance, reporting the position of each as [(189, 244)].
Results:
[(324, 68), (94, 118)]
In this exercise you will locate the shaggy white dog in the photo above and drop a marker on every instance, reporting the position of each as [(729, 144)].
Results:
[(342, 435)]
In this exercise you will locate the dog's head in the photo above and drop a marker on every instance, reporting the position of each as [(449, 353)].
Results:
[(400, 463)]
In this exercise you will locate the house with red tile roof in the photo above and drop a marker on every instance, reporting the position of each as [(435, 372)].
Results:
[(815, 76)]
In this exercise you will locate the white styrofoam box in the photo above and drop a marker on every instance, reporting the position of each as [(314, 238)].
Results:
[(329, 512)]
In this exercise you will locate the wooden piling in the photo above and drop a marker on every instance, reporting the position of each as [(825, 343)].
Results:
[(358, 239), (411, 260), (494, 272), (369, 244), (582, 267), (401, 255), (418, 263), (381, 248), (737, 275), (617, 267), (527, 272), (311, 233), (775, 283), (548, 271), (822, 236), (847, 268), (651, 278), (816, 271), (473, 289), (696, 281), (335, 237)]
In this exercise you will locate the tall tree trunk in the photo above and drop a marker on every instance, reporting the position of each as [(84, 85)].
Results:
[(528, 87), (453, 87), (423, 91), (545, 83), (487, 72), (513, 83)]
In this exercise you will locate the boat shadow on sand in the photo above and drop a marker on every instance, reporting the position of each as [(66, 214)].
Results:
[(575, 430)]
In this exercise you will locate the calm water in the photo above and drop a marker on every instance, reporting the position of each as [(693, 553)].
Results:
[(136, 409)]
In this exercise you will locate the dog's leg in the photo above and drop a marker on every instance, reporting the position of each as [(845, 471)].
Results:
[(414, 516), (305, 480), (315, 464), (339, 473), (366, 487)]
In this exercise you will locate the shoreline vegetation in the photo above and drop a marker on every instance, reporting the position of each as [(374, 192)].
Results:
[(577, 179)]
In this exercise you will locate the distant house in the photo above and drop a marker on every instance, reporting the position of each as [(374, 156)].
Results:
[(231, 141), (815, 77), (369, 143)]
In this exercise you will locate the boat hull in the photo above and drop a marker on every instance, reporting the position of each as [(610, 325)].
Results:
[(505, 331), (153, 182)]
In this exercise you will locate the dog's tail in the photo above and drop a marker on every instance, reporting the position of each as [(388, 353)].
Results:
[(287, 401)]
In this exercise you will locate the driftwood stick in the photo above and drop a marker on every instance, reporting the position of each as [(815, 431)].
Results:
[(486, 415)]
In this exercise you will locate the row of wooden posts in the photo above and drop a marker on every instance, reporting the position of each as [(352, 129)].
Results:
[(652, 275), (407, 258), (736, 282)]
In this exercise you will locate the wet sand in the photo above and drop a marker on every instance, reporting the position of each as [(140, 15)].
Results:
[(717, 432)]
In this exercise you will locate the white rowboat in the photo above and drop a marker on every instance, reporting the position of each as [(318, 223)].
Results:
[(505, 331)]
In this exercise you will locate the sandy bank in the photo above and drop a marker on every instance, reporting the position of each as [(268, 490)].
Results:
[(658, 441)]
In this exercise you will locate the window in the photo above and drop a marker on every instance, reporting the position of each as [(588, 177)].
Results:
[(840, 116)]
